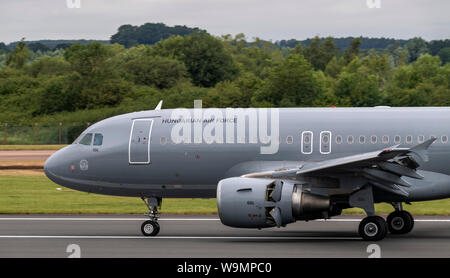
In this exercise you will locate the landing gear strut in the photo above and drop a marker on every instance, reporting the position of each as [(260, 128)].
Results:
[(372, 227), (151, 227), (400, 221)]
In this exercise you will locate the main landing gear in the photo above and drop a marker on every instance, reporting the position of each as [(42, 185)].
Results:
[(151, 227), (373, 227), (400, 221)]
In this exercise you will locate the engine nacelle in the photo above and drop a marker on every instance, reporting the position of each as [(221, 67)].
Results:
[(261, 203)]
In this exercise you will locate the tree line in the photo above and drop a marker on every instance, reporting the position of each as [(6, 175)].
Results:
[(92, 81)]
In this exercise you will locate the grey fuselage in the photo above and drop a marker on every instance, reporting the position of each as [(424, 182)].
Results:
[(188, 170)]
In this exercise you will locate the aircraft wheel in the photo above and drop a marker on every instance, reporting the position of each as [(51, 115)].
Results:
[(373, 228), (150, 228), (400, 222)]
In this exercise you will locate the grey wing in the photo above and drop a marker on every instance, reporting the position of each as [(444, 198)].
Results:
[(383, 168)]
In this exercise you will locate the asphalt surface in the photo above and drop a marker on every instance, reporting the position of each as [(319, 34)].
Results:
[(204, 236), (25, 155)]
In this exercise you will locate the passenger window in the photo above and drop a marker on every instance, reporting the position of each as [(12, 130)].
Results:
[(362, 139), (421, 139), (350, 139), (87, 139), (373, 139), (385, 139), (289, 140), (444, 139), (338, 139), (409, 139), (98, 139), (397, 139)]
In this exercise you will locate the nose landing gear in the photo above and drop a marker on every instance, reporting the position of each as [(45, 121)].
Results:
[(151, 227)]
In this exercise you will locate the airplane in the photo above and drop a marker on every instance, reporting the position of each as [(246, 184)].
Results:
[(267, 167)]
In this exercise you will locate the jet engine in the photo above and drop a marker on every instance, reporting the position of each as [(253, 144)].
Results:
[(261, 203)]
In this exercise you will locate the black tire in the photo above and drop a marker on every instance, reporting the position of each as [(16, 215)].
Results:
[(400, 222), (150, 228), (373, 228)]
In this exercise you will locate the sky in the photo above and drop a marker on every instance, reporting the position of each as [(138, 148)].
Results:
[(266, 19)]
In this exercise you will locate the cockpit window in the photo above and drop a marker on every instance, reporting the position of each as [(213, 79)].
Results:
[(87, 139), (77, 140), (98, 139)]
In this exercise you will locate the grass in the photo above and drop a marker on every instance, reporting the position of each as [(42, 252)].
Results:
[(438, 207), (35, 194), (30, 147)]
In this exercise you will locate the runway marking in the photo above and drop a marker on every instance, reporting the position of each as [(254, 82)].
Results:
[(176, 219), (171, 237), (358, 220), (101, 219)]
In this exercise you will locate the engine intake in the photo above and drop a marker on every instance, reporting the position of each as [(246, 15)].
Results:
[(261, 203)]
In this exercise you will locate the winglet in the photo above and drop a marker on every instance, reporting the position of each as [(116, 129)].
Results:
[(421, 149), (158, 107)]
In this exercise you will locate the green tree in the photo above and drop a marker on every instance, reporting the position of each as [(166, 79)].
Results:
[(205, 58), (87, 60), (95, 82), (422, 83), (416, 48), (334, 67), (379, 66), (161, 72), (319, 55), (3, 48), (292, 83), (149, 33), (353, 51), (48, 66), (19, 56), (444, 54), (329, 51), (54, 97), (237, 93), (358, 86), (312, 53)]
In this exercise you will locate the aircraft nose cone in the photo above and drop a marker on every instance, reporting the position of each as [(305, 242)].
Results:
[(59, 167), (54, 166), (49, 167)]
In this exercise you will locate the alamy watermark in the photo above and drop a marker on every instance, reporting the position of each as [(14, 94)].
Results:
[(73, 250), (374, 250), (73, 4), (373, 4), (226, 126)]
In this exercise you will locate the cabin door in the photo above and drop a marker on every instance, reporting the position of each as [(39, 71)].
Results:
[(139, 144)]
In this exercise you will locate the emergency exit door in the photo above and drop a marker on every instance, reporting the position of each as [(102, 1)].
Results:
[(139, 144)]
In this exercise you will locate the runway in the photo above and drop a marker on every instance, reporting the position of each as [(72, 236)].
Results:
[(193, 236)]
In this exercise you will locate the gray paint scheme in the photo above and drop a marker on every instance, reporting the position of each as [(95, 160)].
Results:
[(194, 170)]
